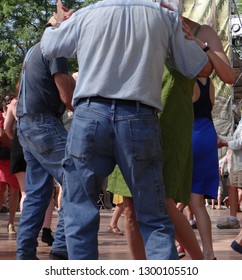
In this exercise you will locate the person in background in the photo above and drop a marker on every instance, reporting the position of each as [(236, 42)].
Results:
[(234, 155), (18, 164), (223, 162), (18, 167), (117, 213), (177, 113), (8, 182), (45, 92), (205, 179), (119, 189)]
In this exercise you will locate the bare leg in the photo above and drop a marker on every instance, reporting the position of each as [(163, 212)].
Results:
[(233, 200), (113, 226), (184, 232), (46, 228), (190, 215), (219, 199), (48, 215), (13, 205), (213, 204), (57, 194), (21, 180), (239, 199), (134, 238), (197, 204), (2, 193), (206, 202)]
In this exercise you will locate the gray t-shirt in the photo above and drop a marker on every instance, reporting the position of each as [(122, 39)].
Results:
[(42, 95)]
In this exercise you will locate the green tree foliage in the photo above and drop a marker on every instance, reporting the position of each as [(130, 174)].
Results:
[(239, 5), (21, 25)]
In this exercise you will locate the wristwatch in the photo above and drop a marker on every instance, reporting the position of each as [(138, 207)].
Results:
[(206, 47)]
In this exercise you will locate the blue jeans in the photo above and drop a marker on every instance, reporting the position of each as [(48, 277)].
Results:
[(103, 134), (43, 139)]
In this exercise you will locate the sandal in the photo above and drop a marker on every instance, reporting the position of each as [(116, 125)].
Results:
[(115, 230)]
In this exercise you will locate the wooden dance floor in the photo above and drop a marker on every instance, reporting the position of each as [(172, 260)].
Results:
[(114, 247)]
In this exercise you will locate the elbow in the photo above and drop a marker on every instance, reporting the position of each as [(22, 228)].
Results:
[(9, 133), (226, 74), (205, 73), (207, 70), (230, 79)]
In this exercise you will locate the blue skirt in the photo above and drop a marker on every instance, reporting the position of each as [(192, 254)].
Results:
[(205, 179)]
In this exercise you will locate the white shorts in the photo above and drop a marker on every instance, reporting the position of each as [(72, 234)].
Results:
[(235, 179)]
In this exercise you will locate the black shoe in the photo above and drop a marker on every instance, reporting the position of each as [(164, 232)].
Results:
[(47, 236), (58, 255), (4, 209)]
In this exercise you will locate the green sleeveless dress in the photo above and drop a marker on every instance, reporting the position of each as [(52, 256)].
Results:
[(176, 121)]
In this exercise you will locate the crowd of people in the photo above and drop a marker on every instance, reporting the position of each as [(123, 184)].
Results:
[(142, 111)]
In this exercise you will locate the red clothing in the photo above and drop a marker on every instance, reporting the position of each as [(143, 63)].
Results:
[(5, 175)]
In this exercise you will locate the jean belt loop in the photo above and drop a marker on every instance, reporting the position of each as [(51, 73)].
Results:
[(137, 106), (88, 101), (113, 105)]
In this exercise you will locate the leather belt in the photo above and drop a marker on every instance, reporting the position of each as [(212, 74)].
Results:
[(125, 102)]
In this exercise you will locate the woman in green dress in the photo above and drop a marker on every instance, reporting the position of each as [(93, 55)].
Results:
[(176, 128), (177, 168)]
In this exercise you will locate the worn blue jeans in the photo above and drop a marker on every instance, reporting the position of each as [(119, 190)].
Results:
[(101, 135), (43, 139)]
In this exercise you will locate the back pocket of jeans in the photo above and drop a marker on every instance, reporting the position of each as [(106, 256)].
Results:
[(81, 138), (146, 140), (42, 141)]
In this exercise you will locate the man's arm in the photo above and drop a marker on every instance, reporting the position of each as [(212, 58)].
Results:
[(65, 85)]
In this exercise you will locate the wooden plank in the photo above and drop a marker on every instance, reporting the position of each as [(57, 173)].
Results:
[(113, 247)]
